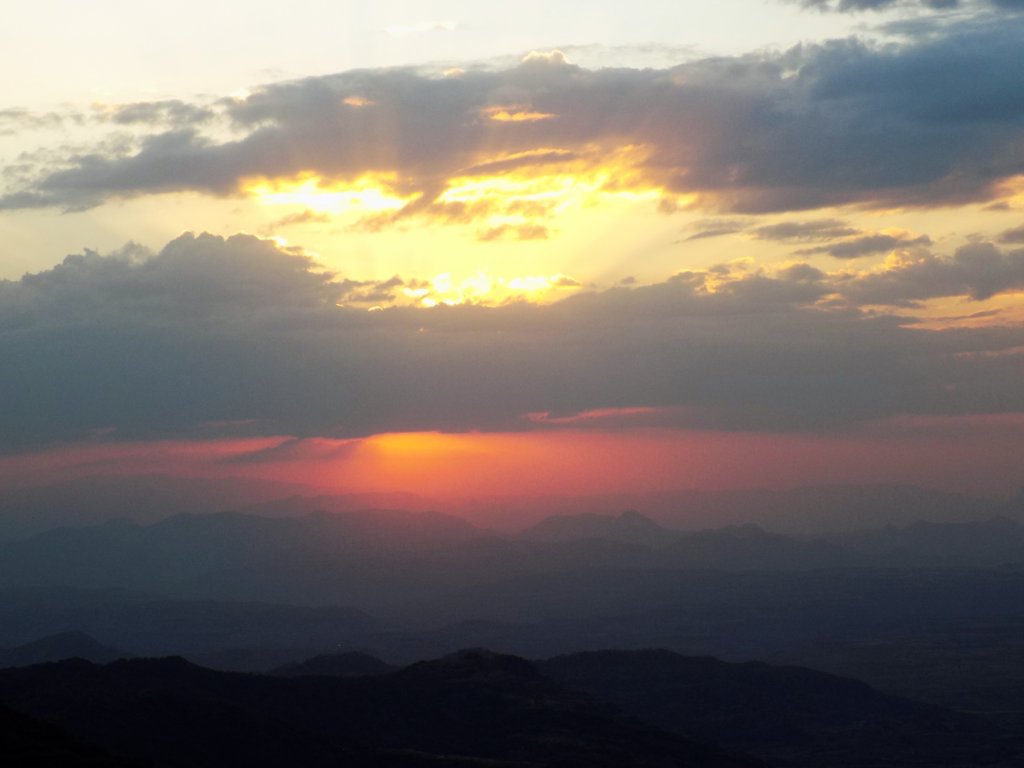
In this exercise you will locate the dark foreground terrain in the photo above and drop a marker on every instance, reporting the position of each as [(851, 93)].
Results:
[(297, 640), (471, 709), (477, 708)]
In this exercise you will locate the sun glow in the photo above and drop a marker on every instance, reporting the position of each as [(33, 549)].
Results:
[(515, 114), (483, 288), (517, 196), (518, 188), (369, 194)]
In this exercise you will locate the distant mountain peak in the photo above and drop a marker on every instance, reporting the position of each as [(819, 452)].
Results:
[(64, 645), (629, 526), (477, 664), (350, 664)]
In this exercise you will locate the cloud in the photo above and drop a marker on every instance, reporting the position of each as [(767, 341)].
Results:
[(790, 231), (373, 292), (240, 330), (978, 270), (868, 245), (1014, 236), (553, 58), (847, 242), (171, 112), (852, 6), (717, 228), (509, 231), (934, 121), (302, 217), (15, 120)]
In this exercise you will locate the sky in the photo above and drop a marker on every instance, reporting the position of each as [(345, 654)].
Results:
[(463, 249)]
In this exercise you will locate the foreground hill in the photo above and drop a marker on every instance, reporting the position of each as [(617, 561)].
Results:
[(787, 715), (149, 627), (471, 709), (26, 742), (352, 664)]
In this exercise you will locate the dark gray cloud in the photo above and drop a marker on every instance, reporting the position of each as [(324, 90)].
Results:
[(867, 245), (717, 228), (781, 231), (1014, 236), (790, 231), (240, 331), (170, 112), (844, 241), (939, 120), (15, 120), (372, 292), (853, 6), (978, 270)]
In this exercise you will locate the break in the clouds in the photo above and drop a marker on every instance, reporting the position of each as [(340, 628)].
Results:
[(934, 121), (241, 332)]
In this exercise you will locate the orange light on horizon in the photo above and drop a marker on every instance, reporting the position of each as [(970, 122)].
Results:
[(964, 454)]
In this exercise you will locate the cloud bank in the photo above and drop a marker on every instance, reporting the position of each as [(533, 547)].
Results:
[(853, 6), (241, 333), (938, 120)]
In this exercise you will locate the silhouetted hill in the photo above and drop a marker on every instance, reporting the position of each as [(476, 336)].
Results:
[(390, 562), (474, 706), (531, 611), (737, 593), (802, 511), (967, 663), (352, 664), (823, 510), (26, 742), (983, 543), (233, 555), (628, 527), (789, 715), (749, 547), (994, 542), (300, 505), (151, 627), (140, 498), (66, 645)]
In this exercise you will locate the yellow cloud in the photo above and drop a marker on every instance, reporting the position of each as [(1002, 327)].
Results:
[(365, 195), (507, 196), (515, 113), (486, 289), (357, 101)]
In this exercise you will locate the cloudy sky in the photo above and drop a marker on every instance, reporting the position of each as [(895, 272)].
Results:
[(458, 248)]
